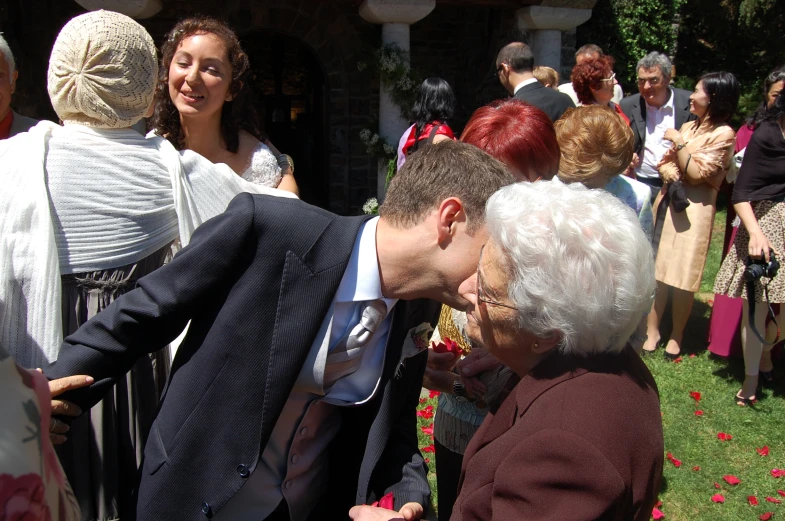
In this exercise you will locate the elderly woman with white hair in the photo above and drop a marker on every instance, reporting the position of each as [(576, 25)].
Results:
[(556, 296), (86, 209)]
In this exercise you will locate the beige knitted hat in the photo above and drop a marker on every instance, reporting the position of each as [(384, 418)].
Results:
[(102, 71)]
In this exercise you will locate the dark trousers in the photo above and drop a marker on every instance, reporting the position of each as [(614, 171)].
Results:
[(448, 473), (655, 183)]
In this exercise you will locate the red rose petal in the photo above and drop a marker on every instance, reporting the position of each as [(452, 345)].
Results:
[(658, 504), (677, 360), (692, 355), (696, 468), (695, 395), (781, 493), (766, 516), (698, 413), (429, 448), (427, 430), (423, 400), (752, 500), (427, 460), (656, 513), (434, 394), (773, 499), (718, 498), (717, 485), (723, 436), (777, 473), (763, 451), (731, 480), (672, 459)]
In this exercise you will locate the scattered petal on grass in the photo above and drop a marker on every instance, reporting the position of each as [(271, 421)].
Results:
[(434, 394), (723, 436), (777, 473), (773, 499), (656, 513), (731, 480), (696, 468), (429, 448), (658, 504), (717, 485), (695, 395), (718, 498), (763, 451), (766, 516), (677, 360), (672, 459), (698, 413), (426, 413), (427, 430), (423, 400), (752, 500), (427, 460), (781, 493), (692, 355)]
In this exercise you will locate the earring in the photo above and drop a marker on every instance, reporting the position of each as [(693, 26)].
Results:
[(535, 346)]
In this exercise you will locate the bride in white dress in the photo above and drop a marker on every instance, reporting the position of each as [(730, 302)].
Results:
[(203, 103)]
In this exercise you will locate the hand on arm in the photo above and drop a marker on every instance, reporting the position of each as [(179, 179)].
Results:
[(409, 512), (58, 428)]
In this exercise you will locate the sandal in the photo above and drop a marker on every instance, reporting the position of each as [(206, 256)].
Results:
[(744, 402), (670, 357)]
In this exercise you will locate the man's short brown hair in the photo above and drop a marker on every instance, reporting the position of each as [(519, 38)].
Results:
[(437, 172)]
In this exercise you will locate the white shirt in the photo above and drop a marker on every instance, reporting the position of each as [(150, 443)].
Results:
[(293, 463), (658, 120), (523, 84)]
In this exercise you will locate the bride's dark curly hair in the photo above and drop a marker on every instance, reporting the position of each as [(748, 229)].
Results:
[(238, 114)]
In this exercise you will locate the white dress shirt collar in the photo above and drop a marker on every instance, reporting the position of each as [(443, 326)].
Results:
[(669, 105), (361, 279), (523, 84)]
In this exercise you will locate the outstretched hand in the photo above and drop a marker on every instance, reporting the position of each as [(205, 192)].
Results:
[(58, 428)]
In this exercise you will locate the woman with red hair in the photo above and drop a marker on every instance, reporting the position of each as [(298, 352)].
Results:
[(593, 81), (519, 135), (523, 138)]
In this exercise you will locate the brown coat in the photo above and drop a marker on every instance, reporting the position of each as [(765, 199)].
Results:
[(576, 440)]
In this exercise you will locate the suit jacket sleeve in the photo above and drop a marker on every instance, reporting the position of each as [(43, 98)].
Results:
[(152, 315), (402, 469), (540, 480)]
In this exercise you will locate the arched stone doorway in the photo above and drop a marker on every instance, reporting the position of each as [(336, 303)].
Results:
[(291, 98)]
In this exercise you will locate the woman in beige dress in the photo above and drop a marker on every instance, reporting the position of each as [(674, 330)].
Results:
[(692, 171)]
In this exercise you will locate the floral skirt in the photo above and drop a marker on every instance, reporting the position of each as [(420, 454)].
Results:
[(730, 279), (102, 455)]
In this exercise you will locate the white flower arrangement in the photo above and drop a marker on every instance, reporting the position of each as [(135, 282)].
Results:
[(371, 206)]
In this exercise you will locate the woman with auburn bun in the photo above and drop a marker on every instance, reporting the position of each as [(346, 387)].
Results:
[(203, 102), (523, 138), (593, 81)]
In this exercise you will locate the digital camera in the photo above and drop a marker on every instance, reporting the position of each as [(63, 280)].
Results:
[(757, 268)]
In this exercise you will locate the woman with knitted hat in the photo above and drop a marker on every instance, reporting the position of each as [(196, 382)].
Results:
[(87, 209), (203, 102)]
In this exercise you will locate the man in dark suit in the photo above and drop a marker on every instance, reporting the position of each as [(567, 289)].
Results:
[(657, 108), (293, 395), (514, 64)]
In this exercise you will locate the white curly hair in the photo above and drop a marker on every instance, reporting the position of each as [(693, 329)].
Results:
[(5, 50), (580, 265)]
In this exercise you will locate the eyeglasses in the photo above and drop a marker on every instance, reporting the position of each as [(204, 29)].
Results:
[(481, 296), (652, 81), (613, 77)]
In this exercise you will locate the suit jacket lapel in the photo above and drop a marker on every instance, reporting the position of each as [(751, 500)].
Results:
[(681, 109), (639, 116)]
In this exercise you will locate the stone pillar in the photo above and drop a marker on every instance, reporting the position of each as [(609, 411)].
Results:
[(134, 8), (395, 17), (544, 26)]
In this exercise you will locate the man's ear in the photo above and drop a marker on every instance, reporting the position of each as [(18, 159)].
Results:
[(451, 212)]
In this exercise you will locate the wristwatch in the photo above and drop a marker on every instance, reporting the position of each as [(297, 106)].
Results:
[(458, 389), (679, 147)]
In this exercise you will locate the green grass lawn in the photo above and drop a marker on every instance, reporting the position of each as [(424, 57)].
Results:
[(687, 490)]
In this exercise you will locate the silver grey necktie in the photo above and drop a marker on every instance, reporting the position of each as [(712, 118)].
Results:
[(345, 358)]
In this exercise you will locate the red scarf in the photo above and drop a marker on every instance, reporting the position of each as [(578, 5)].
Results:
[(442, 129), (5, 125)]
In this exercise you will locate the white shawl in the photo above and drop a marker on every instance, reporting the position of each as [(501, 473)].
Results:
[(30, 286)]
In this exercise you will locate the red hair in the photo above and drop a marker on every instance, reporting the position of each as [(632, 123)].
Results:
[(517, 134), (588, 75)]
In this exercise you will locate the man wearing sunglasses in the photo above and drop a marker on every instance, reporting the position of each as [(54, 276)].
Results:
[(657, 108)]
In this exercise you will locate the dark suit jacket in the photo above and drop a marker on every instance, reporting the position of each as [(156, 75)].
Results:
[(256, 283), (550, 101), (576, 440), (634, 107)]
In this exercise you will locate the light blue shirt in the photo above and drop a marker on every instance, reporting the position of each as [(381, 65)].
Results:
[(293, 463)]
